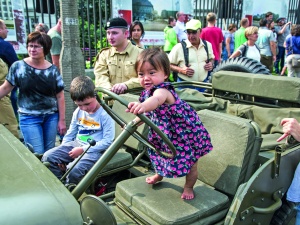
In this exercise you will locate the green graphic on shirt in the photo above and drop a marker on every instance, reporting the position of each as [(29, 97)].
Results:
[(84, 138)]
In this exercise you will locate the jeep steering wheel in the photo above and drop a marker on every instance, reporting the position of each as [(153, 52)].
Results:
[(143, 118)]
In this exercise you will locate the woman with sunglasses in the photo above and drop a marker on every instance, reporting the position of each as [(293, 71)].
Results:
[(41, 94), (249, 48)]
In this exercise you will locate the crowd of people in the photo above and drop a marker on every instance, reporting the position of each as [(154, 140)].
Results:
[(191, 51)]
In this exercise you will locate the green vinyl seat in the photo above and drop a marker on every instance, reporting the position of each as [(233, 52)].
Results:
[(266, 86), (233, 160)]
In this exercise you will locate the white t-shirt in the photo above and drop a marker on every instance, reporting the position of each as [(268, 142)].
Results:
[(253, 53), (179, 29)]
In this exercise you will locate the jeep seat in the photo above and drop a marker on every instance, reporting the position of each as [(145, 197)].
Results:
[(269, 87), (233, 160)]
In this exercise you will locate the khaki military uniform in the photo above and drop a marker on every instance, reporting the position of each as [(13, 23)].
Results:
[(112, 67), (7, 115)]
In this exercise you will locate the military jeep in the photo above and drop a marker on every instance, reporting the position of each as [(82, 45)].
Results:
[(242, 181)]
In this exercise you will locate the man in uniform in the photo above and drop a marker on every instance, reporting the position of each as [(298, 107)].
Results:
[(7, 57), (115, 66)]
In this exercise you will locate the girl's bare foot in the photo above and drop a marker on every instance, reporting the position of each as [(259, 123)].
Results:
[(187, 193), (154, 179)]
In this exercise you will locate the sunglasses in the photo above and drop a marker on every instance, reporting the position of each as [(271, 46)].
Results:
[(191, 31)]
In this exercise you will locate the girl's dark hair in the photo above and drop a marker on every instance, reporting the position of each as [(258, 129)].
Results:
[(41, 38), (82, 87), (231, 26), (132, 25), (156, 57), (171, 19)]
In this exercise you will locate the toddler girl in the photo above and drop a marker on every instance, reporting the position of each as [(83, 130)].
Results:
[(174, 117)]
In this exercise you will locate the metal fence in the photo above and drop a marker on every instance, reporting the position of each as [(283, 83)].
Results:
[(227, 11), (93, 14), (293, 13)]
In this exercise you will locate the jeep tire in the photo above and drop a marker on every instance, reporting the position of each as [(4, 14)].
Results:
[(242, 64)]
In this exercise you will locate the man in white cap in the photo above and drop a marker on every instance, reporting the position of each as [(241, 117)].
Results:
[(115, 66), (180, 27), (200, 59)]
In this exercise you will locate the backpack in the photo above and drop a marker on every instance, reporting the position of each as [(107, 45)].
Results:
[(186, 55), (245, 49)]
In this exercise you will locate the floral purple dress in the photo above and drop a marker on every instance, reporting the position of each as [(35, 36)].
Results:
[(183, 127)]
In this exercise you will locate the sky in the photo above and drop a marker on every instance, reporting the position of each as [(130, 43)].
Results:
[(159, 5), (184, 5), (274, 6)]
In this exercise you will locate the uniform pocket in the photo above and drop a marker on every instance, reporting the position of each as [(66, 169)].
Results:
[(129, 69), (112, 67)]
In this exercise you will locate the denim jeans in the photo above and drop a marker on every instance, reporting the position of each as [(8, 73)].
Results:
[(60, 155), (39, 130), (225, 53), (279, 58)]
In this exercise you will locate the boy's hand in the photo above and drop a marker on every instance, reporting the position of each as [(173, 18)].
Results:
[(75, 152), (136, 108)]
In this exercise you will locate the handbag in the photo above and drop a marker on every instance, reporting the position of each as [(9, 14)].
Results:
[(296, 62)]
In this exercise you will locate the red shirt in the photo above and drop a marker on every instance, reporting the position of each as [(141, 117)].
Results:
[(213, 35)]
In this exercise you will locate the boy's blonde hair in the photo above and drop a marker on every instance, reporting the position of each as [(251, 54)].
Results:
[(244, 21), (211, 17), (156, 57)]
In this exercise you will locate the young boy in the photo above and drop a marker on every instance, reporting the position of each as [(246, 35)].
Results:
[(89, 120)]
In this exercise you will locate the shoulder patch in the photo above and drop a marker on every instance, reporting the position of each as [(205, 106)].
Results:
[(103, 49), (106, 48)]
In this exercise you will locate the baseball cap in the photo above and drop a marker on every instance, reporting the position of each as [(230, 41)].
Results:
[(116, 23), (193, 25), (279, 19)]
